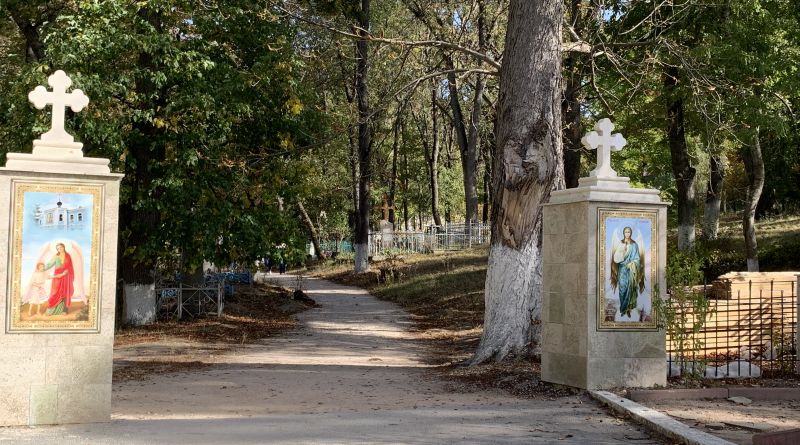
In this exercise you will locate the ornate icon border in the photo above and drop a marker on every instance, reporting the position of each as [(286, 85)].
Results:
[(603, 214), (14, 298)]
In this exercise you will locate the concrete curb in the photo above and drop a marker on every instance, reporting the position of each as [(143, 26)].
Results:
[(643, 395), (657, 421)]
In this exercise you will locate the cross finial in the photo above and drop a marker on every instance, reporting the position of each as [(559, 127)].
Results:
[(59, 99), (604, 142)]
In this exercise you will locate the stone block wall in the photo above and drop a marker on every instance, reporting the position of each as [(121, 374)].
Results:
[(574, 351), (53, 378)]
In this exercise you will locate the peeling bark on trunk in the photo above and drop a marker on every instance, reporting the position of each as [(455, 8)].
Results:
[(754, 168), (682, 169), (361, 239), (713, 197), (528, 165)]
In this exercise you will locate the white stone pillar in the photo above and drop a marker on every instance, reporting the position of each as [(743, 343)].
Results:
[(588, 339), (56, 365)]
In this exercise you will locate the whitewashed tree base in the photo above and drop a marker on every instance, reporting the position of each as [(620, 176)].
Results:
[(140, 304), (686, 238), (508, 329), (361, 258)]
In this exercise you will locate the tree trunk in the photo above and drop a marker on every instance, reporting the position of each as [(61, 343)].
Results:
[(754, 168), (528, 165), (354, 173), (571, 106), (405, 191), (682, 169), (29, 29), (361, 243), (487, 182), (393, 176), (713, 197), (312, 229), (467, 140), (433, 159)]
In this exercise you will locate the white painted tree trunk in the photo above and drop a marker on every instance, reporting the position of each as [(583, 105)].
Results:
[(361, 258), (528, 164), (139, 304), (513, 300), (711, 219)]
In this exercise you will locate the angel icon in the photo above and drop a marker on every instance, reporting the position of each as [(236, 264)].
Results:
[(627, 270), (61, 263)]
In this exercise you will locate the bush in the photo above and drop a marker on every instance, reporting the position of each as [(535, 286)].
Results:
[(684, 309)]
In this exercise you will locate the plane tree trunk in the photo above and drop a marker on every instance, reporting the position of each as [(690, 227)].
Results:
[(527, 166)]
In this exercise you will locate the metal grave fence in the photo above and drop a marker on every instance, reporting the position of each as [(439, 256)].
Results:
[(751, 331), (449, 237), (185, 301)]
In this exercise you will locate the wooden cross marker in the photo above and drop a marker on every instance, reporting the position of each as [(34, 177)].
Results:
[(604, 142), (59, 99)]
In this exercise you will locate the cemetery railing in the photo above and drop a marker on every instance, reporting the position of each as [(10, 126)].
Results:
[(449, 237), (179, 301), (752, 331)]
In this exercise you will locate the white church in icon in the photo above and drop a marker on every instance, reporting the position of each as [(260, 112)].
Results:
[(60, 217)]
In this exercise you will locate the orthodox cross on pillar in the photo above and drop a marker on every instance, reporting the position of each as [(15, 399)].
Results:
[(59, 99), (604, 142)]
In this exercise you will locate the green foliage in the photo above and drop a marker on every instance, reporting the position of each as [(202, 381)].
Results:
[(203, 107), (684, 269), (683, 308)]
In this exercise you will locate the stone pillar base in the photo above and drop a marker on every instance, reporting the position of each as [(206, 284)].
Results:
[(581, 347), (53, 372)]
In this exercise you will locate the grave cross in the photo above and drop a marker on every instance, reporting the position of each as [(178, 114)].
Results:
[(386, 207), (604, 142), (59, 99)]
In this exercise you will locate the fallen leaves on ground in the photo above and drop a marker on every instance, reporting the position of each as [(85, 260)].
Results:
[(251, 314)]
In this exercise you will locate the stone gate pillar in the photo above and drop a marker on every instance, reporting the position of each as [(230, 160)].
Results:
[(58, 238), (604, 253)]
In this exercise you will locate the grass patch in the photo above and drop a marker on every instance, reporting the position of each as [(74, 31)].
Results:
[(778, 244)]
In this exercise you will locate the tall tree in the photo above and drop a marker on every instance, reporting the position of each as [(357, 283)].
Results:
[(754, 168), (571, 112), (527, 166), (685, 174), (361, 239), (716, 175), (430, 144)]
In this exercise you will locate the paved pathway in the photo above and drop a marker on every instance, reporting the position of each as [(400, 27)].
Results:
[(350, 374)]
